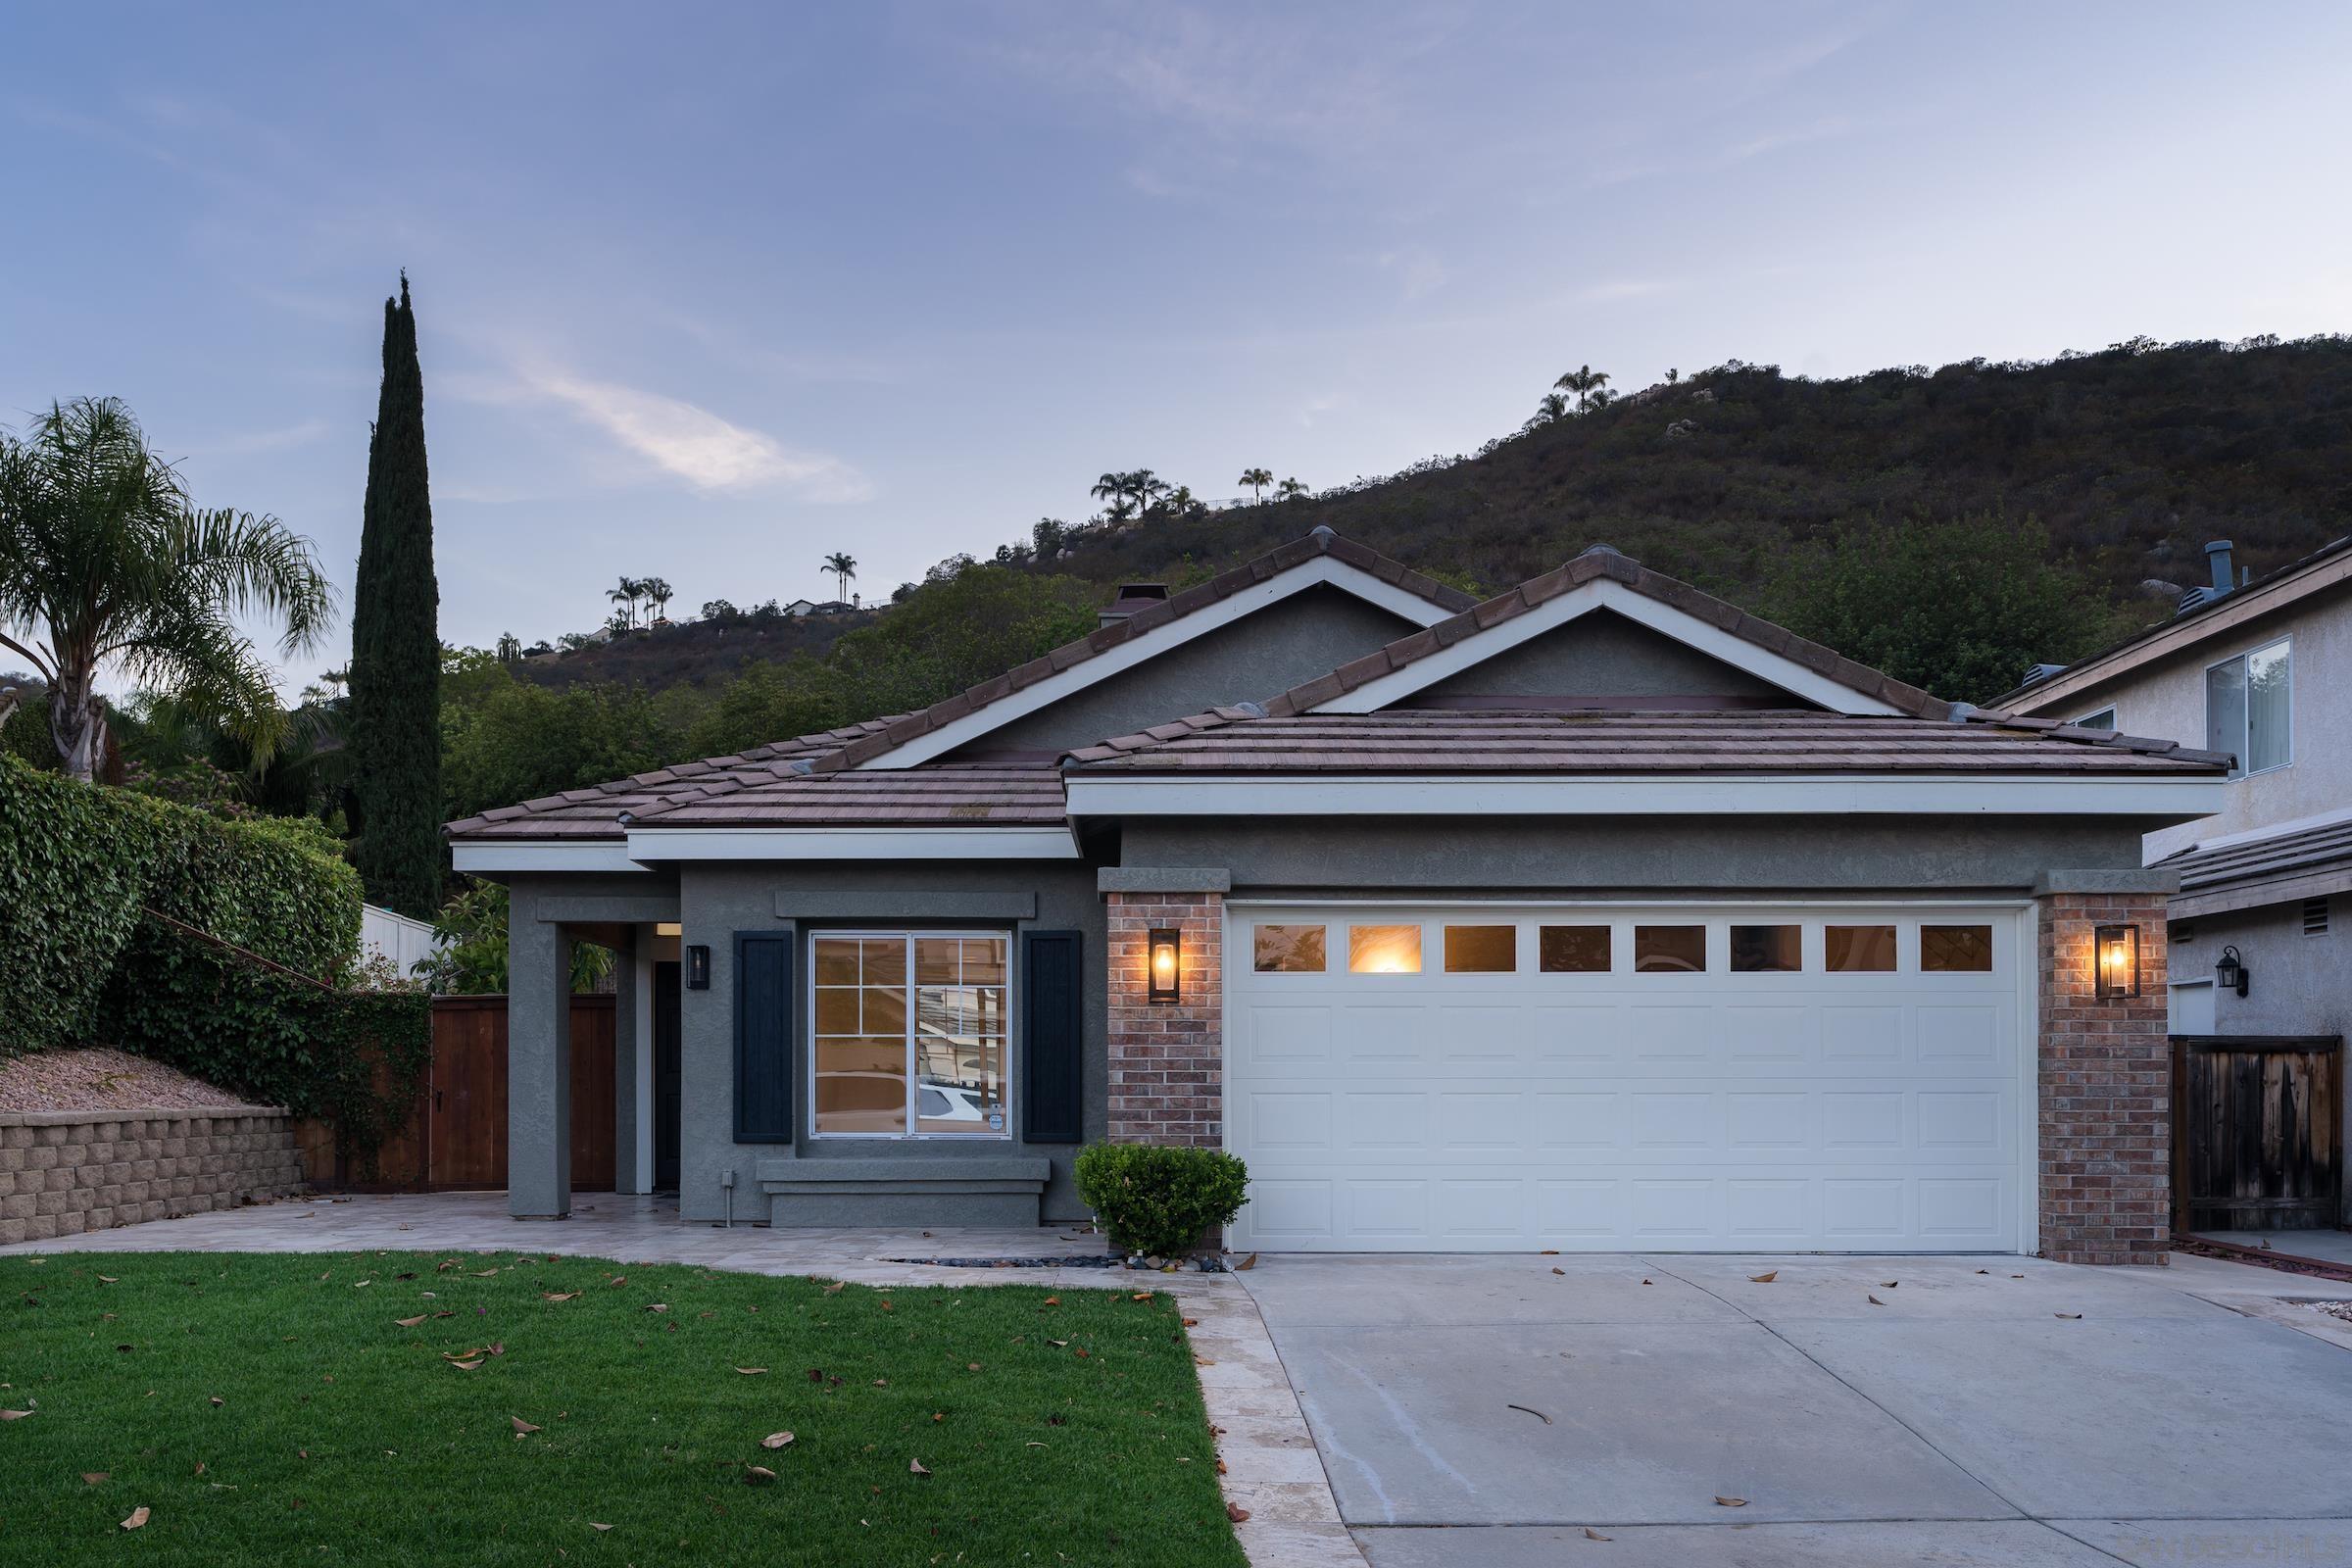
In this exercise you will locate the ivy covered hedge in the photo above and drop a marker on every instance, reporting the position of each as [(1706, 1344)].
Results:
[(224, 948)]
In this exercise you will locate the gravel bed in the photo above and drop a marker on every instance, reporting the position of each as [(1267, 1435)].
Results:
[(102, 1078)]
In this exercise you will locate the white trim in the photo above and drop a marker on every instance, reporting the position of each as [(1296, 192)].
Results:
[(853, 844), (911, 934), (2275, 830), (1638, 795), (2087, 721), (601, 856), (1321, 569), (1606, 593)]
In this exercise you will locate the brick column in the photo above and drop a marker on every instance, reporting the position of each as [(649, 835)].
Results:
[(2105, 1086), (1168, 1060)]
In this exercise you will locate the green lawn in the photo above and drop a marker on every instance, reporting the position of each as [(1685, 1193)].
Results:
[(272, 1410)]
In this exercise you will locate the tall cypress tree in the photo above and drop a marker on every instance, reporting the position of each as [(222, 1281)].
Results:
[(396, 644)]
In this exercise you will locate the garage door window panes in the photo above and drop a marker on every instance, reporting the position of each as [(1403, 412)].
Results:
[(1858, 949), (1670, 948), (1286, 948), (1384, 949), (1767, 950), (908, 1034), (1573, 949), (1482, 949), (1955, 949)]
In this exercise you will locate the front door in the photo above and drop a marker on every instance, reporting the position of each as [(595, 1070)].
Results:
[(665, 1077)]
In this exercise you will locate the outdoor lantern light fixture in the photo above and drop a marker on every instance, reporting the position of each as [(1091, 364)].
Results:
[(2232, 972), (2117, 950), (698, 968), (1167, 965)]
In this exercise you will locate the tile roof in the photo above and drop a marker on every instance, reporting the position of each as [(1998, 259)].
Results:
[(1321, 542), (595, 812), (2298, 863), (936, 795), (1599, 561), (1238, 740)]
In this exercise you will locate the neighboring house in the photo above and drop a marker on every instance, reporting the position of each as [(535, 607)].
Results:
[(400, 940), (2261, 670), (1597, 916), (799, 607)]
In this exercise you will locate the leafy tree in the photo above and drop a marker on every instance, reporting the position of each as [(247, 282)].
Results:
[(103, 560), (1289, 490), (472, 958), (396, 644), (721, 611), (1256, 479), (843, 568), (1046, 538), (1959, 607)]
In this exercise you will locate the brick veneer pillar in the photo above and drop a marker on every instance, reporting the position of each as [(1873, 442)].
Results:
[(1167, 1068), (2105, 1088)]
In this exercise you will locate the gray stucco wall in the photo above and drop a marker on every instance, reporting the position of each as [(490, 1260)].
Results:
[(1597, 854), (719, 901), (2297, 985), (1261, 655), (1603, 654)]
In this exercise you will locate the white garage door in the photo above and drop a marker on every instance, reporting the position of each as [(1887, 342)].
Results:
[(1672, 1079)]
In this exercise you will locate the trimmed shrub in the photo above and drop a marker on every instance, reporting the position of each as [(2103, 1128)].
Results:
[(1155, 1198), (224, 948)]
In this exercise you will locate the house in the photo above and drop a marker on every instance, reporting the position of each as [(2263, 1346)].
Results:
[(1596, 915), (799, 607), (2260, 668)]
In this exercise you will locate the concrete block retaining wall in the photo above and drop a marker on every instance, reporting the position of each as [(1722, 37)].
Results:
[(63, 1172)]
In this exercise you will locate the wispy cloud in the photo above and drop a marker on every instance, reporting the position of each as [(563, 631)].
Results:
[(1418, 271), (692, 443)]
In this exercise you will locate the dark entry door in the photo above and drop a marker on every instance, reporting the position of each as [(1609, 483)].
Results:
[(665, 1077), (2256, 1130)]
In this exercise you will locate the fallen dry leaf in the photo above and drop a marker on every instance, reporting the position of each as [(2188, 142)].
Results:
[(1549, 1251), (1731, 1502), (1245, 1263), (593, 1525), (215, 1400), (657, 1307), (1237, 1513), (1872, 1300), (138, 1517), (93, 1476), (758, 1475), (1888, 1284), (1984, 1271), (914, 1467), (19, 1415), (411, 1322), (2069, 1314), (1560, 1271), (1143, 1296), (466, 1366), (971, 1366), (1530, 1410), (200, 1467), (1202, 1360), (618, 1279), (1192, 1322), (562, 1296), (837, 1287), (1053, 1301), (1591, 1534), (776, 1440), (1765, 1278), (753, 1371), (521, 1426), (108, 1279)]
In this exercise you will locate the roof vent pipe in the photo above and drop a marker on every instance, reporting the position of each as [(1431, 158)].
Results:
[(2216, 557)]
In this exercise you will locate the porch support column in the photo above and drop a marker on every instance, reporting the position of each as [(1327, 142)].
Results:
[(633, 1066), (538, 1066), (1167, 1059), (2105, 1078)]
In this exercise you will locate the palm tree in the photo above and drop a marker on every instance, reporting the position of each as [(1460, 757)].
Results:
[(510, 648), (1146, 488), (1181, 501), (659, 590), (100, 546), (1289, 490), (626, 596), (1111, 487), (1256, 479), (1554, 407), (1584, 381), (1119, 510), (843, 568)]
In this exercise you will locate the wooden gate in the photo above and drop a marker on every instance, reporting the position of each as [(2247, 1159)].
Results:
[(456, 1139), (2257, 1132)]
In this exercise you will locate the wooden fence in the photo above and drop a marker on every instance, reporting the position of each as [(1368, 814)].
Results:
[(2257, 1132), (455, 1139)]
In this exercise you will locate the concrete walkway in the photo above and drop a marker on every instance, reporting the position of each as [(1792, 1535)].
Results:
[(1492, 1411), (1272, 1472)]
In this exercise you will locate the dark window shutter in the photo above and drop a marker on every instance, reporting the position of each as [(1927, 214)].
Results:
[(764, 1037), (1054, 1080)]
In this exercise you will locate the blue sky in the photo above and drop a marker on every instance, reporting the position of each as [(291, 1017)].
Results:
[(710, 291)]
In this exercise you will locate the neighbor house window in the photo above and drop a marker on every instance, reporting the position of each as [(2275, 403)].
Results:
[(2246, 709), (2104, 718), (907, 1034), (1286, 948)]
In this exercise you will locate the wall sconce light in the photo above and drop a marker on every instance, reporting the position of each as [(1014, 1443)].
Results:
[(2117, 951), (1166, 965), (2232, 974), (698, 968)]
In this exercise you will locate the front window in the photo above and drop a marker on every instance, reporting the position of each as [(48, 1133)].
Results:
[(2104, 718), (2246, 709), (907, 1036)]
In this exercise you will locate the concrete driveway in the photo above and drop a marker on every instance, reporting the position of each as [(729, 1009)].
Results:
[(1967, 1416)]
